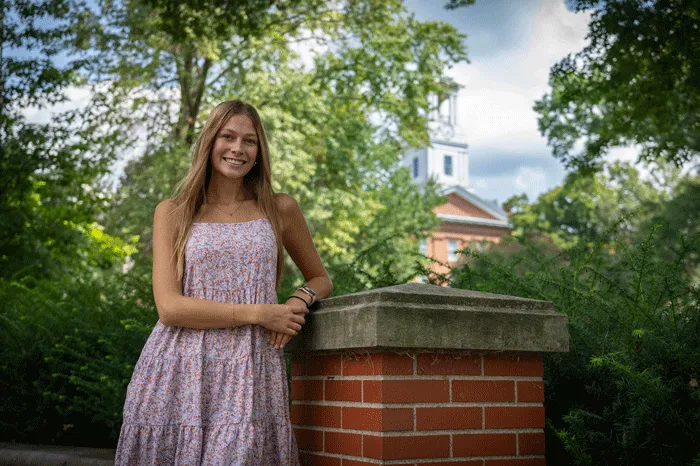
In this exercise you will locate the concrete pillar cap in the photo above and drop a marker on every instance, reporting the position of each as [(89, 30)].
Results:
[(419, 316)]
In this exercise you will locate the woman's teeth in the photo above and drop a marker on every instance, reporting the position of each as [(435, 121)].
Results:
[(234, 162)]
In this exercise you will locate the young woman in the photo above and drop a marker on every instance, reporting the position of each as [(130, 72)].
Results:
[(210, 386)]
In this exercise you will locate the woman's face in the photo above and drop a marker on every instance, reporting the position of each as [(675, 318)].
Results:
[(235, 147)]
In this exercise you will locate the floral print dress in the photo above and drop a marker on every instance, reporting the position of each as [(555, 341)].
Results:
[(215, 396)]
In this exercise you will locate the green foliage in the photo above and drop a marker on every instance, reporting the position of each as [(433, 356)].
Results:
[(46, 27), (627, 391), (73, 323), (48, 204), (373, 80), (68, 348), (636, 82), (594, 207)]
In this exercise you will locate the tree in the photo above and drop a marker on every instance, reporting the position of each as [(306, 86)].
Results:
[(636, 82), (337, 127), (626, 392), (601, 207), (48, 199)]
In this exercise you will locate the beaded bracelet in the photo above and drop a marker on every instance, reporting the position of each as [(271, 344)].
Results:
[(302, 299)]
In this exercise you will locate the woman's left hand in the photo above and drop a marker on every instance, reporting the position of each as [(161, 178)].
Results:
[(278, 340)]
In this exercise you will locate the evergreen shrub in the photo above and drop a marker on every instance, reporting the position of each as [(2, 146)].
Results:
[(627, 391)]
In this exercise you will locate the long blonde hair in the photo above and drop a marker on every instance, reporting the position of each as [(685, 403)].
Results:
[(191, 193)]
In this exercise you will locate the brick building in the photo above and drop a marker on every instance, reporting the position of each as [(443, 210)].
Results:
[(465, 217)]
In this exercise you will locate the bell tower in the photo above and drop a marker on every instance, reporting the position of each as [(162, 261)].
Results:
[(445, 158)]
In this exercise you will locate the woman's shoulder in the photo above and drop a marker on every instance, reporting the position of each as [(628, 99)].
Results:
[(164, 210), (285, 203), (167, 204)]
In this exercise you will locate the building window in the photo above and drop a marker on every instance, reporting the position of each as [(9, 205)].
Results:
[(415, 167), (452, 250), (423, 246), (448, 165)]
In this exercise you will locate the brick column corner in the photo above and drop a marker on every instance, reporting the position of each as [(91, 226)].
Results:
[(443, 404)]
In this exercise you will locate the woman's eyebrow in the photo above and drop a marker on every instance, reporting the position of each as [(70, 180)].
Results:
[(234, 132)]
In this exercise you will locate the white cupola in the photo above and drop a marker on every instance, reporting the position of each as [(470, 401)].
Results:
[(446, 157)]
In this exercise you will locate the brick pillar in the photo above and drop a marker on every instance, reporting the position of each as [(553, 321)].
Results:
[(447, 405)]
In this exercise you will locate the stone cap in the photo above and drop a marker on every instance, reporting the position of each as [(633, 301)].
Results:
[(420, 316)]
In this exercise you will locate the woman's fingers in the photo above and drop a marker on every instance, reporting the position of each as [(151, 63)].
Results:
[(278, 342), (281, 338)]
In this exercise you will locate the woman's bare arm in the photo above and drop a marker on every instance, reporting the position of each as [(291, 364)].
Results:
[(298, 242), (174, 309)]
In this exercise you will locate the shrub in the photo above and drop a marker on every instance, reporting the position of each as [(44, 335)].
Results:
[(627, 392), (68, 349)]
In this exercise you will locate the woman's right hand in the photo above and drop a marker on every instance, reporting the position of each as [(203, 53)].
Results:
[(280, 318)]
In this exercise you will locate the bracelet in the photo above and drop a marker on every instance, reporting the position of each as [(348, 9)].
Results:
[(307, 291), (293, 296)]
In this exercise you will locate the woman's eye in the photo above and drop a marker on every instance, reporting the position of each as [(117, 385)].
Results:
[(249, 141)]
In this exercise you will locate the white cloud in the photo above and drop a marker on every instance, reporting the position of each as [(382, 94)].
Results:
[(77, 97), (531, 181), (496, 105)]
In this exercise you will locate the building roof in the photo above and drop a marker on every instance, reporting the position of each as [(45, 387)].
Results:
[(488, 206)]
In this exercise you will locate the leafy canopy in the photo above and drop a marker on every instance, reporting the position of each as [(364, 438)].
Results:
[(636, 82)]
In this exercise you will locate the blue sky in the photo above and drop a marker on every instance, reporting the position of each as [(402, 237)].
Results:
[(511, 45)]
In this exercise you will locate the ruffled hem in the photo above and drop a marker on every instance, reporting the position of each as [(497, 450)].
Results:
[(198, 391), (264, 442)]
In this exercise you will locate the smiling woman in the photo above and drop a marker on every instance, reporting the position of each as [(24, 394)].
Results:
[(210, 384)]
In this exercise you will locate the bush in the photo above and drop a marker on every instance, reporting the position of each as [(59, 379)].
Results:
[(627, 392), (68, 349)]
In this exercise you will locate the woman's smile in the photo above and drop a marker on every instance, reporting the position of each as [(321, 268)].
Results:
[(234, 161)]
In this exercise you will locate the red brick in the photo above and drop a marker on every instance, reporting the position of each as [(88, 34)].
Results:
[(452, 463), (483, 390), (323, 364), (343, 390), (347, 462), (405, 391), (511, 417), (483, 444), (513, 364), (308, 439), (307, 390), (315, 415), (530, 392), (448, 364), (448, 418), (298, 366), (378, 419), (310, 459), (531, 443), (416, 446), (343, 443), (518, 462), (377, 364), (434, 446), (372, 446)]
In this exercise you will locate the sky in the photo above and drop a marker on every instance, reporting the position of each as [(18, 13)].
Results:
[(511, 45)]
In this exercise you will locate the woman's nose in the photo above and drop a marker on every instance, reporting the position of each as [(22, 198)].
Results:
[(236, 145)]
